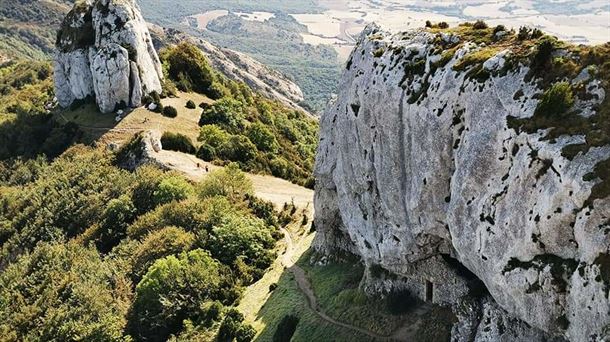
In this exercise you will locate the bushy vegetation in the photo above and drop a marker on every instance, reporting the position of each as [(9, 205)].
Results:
[(26, 125), (259, 134), (177, 142), (170, 112), (90, 251), (186, 65)]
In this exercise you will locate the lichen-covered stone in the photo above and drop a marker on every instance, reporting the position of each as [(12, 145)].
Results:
[(105, 51), (416, 160)]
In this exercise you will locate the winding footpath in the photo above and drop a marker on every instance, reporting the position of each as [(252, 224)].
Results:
[(304, 285)]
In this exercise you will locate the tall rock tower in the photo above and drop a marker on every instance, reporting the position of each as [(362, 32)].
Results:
[(105, 51)]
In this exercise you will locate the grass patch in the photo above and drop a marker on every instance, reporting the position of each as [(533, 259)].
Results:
[(336, 286)]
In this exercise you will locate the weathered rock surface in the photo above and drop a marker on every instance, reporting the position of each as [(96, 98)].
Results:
[(419, 174), (105, 51), (239, 67)]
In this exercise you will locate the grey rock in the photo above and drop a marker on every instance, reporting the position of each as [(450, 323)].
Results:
[(105, 51), (403, 177)]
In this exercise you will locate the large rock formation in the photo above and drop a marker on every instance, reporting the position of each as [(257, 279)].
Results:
[(105, 51), (424, 171)]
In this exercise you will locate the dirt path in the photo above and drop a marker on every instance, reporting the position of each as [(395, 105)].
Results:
[(276, 190), (304, 285)]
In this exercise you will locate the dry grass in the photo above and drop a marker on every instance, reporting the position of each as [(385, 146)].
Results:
[(103, 128)]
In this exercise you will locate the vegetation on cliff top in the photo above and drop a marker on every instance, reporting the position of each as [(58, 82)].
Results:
[(553, 67)]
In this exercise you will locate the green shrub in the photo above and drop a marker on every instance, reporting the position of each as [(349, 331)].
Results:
[(177, 142), (187, 66), (542, 57), (190, 104), (443, 25), (286, 329), (172, 188), (556, 101), (174, 289), (170, 112), (263, 138), (499, 28), (479, 25), (524, 33), (226, 113), (229, 182)]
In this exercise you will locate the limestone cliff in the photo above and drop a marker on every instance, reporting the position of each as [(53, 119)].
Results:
[(441, 167), (105, 51)]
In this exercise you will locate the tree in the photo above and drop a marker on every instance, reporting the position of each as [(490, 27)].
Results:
[(245, 237), (190, 104), (239, 149), (63, 293), (229, 182), (174, 289), (170, 112), (213, 136), (187, 66), (227, 113), (147, 178), (263, 138), (172, 188), (119, 213), (159, 244), (234, 328)]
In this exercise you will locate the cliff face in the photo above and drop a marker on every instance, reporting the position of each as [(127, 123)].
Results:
[(437, 173), (105, 51)]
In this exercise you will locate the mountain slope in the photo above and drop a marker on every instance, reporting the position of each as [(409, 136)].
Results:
[(473, 159)]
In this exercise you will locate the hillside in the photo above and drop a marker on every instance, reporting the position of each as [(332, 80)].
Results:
[(27, 27)]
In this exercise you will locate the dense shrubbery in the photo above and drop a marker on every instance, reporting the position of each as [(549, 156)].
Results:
[(26, 126), (177, 142), (186, 65), (90, 251), (170, 112), (286, 329)]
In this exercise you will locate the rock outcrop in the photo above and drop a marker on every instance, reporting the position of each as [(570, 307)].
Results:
[(423, 170), (105, 52), (239, 67)]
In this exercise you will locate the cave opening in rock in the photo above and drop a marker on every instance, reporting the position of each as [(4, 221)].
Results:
[(429, 291), (476, 287)]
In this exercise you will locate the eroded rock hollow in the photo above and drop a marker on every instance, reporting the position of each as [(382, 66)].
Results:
[(105, 52), (424, 172)]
